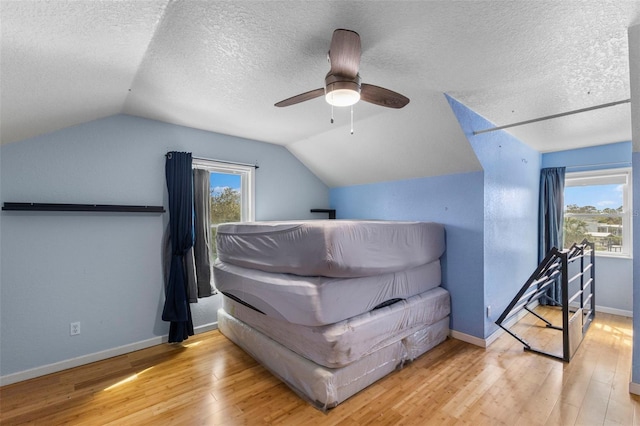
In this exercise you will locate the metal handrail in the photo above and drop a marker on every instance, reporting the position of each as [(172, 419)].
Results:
[(554, 268)]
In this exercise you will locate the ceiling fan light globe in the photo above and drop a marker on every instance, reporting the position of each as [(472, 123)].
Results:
[(342, 97)]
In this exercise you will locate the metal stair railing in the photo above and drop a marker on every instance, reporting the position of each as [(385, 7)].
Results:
[(578, 309)]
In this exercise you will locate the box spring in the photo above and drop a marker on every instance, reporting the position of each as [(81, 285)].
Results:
[(323, 387)]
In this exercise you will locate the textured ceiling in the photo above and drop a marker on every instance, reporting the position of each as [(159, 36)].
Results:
[(221, 65)]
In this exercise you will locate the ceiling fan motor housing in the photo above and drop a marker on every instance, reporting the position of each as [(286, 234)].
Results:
[(341, 90)]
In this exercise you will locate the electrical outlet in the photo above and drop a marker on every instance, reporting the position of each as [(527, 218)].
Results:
[(74, 328)]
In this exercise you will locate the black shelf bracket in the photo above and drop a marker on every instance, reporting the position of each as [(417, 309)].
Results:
[(331, 212)]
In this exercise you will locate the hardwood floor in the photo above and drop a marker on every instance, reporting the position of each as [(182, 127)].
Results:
[(208, 380)]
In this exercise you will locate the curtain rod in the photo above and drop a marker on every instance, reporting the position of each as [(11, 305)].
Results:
[(548, 117), (227, 162), (222, 161)]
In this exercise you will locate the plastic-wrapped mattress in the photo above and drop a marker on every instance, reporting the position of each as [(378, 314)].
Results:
[(340, 344), (331, 248), (425, 338), (323, 387), (315, 301)]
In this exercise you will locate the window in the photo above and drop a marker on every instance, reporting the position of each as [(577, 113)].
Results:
[(598, 208), (231, 195)]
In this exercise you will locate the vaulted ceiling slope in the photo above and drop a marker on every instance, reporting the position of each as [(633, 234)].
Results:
[(221, 65)]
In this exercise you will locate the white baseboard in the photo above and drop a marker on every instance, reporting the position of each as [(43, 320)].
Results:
[(206, 327), (486, 342), (468, 338), (121, 350), (94, 357), (614, 311), (634, 388), (494, 336), (499, 332)]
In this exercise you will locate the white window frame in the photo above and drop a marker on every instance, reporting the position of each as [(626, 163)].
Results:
[(611, 176), (247, 183)]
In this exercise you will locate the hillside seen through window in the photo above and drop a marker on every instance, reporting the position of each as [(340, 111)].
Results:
[(597, 209)]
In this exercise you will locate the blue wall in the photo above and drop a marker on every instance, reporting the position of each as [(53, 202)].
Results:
[(453, 200), (614, 284), (491, 219), (635, 370), (104, 270), (600, 157), (502, 209), (511, 188)]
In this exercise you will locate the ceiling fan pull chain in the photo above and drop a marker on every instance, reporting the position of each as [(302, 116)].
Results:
[(331, 114), (351, 119)]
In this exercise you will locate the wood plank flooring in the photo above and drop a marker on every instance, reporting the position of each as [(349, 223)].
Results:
[(210, 381)]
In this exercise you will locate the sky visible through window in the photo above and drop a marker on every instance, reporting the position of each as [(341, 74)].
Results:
[(219, 181), (599, 196)]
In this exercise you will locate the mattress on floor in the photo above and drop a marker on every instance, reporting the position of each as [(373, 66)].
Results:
[(321, 386), (340, 344), (331, 248), (317, 301)]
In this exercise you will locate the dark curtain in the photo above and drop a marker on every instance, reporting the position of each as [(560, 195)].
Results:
[(190, 269), (201, 185), (551, 221), (180, 189)]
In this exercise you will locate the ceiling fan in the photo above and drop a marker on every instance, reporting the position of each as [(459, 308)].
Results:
[(342, 85)]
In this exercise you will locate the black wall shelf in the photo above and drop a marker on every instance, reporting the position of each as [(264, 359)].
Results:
[(53, 207), (331, 212)]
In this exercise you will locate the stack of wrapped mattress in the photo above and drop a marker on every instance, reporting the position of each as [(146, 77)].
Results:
[(331, 306)]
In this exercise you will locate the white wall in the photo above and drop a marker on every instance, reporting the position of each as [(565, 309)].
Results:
[(104, 269)]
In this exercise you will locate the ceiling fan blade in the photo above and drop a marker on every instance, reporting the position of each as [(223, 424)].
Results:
[(301, 97), (344, 53), (381, 96)]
